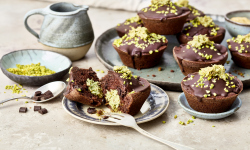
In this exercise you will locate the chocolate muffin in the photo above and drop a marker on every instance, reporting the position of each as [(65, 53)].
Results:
[(194, 12), (164, 17), (240, 50), (123, 28), (140, 49), (123, 91), (211, 90), (199, 53), (201, 26), (84, 87)]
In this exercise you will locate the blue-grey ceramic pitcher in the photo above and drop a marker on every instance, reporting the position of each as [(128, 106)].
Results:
[(66, 29)]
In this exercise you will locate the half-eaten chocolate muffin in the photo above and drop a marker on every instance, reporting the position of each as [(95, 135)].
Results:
[(164, 17), (194, 12), (123, 28), (199, 53), (84, 87), (140, 49), (240, 50), (123, 91), (201, 26), (211, 90)]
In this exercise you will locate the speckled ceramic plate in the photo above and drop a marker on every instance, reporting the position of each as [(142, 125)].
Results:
[(182, 101), (166, 79), (155, 105)]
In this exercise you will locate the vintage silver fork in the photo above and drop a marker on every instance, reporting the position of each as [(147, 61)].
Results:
[(129, 121)]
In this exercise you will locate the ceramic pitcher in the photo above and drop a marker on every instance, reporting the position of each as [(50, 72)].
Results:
[(66, 29)]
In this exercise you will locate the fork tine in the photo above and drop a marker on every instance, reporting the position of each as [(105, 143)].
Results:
[(116, 116), (112, 119)]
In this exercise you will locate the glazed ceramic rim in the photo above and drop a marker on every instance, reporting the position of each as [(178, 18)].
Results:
[(209, 114), (236, 11), (116, 124), (66, 13), (35, 50)]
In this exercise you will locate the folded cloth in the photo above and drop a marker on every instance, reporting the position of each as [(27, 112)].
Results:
[(130, 5)]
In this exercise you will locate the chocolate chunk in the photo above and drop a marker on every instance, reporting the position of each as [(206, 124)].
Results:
[(38, 93), (171, 70), (154, 75), (36, 98), (105, 117), (43, 111), (48, 94), (91, 110), (23, 109), (36, 108)]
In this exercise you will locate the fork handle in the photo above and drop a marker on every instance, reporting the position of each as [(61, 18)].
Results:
[(171, 144)]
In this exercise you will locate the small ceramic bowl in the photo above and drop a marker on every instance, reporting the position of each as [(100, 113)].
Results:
[(51, 60), (235, 28), (182, 101)]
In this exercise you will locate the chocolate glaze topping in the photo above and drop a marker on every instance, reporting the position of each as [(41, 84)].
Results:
[(244, 44), (124, 29), (218, 88), (135, 51), (149, 14), (201, 30), (183, 52), (192, 15), (138, 84)]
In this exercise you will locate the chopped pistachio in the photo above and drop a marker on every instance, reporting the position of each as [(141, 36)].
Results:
[(156, 51), (150, 52), (67, 80), (193, 117), (113, 99), (26, 102), (102, 71), (31, 70), (94, 87), (97, 70), (163, 122)]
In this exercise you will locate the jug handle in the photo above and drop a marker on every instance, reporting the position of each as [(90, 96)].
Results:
[(30, 13)]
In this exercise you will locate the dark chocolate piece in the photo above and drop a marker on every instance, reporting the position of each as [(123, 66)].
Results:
[(23, 109), (43, 111), (91, 110), (36, 98), (105, 117), (37, 108), (38, 93)]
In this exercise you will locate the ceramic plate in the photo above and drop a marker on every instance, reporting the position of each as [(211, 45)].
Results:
[(166, 79), (155, 105), (51, 60), (182, 101)]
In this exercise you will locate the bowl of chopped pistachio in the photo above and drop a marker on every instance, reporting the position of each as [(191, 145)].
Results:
[(238, 22), (34, 67)]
